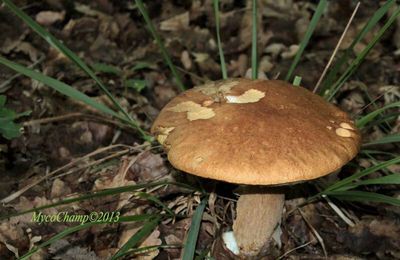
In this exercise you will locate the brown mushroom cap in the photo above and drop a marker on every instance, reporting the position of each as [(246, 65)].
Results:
[(255, 132)]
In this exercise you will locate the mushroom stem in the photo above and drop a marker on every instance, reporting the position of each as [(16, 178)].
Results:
[(258, 212)]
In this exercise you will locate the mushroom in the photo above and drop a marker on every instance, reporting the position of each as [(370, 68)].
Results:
[(256, 133)]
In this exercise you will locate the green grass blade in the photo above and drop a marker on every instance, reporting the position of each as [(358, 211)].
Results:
[(63, 49), (393, 179), (57, 237), (145, 249), (144, 232), (389, 179), (362, 173), (344, 58), (3, 100), (106, 68), (77, 228), (154, 199), (373, 102), (384, 119), (378, 15), (70, 92), (362, 196), (58, 86), (254, 64), (204, 254), (296, 81), (374, 161), (140, 65), (365, 151), (387, 139), (221, 52), (310, 29), (191, 240), (360, 58), (143, 11), (361, 122)]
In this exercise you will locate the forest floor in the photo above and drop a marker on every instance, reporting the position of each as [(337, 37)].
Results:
[(112, 37)]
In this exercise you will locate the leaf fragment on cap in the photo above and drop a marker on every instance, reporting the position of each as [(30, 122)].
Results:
[(343, 132), (346, 126), (163, 133), (207, 89), (250, 96), (226, 88), (211, 89), (194, 111)]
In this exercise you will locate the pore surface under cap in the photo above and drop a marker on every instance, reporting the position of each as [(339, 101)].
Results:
[(255, 132)]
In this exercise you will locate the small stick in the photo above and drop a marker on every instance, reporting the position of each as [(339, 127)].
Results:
[(339, 212), (96, 162), (336, 48), (373, 101), (70, 164), (192, 74), (51, 119), (294, 249), (315, 232), (47, 120)]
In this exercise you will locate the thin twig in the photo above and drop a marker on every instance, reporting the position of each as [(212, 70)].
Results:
[(191, 74), (72, 163), (96, 162), (51, 119), (374, 100), (47, 120), (294, 249), (315, 232), (336, 48), (339, 212)]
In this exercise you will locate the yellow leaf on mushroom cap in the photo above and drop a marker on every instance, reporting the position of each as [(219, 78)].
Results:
[(194, 111), (250, 96)]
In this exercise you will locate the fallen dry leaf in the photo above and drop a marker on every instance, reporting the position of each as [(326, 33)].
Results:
[(118, 180), (186, 60), (178, 22), (64, 250), (148, 167), (28, 49), (59, 188), (47, 18)]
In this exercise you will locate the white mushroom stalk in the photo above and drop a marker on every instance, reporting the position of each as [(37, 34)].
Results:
[(258, 212)]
